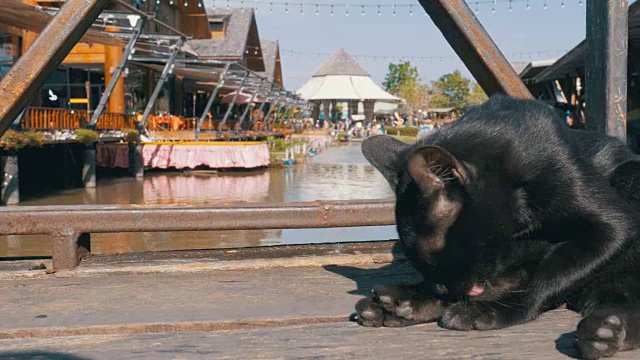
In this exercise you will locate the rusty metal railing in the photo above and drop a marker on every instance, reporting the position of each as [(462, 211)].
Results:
[(65, 224)]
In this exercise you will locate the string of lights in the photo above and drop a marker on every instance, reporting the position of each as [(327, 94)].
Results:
[(521, 56), (347, 9), (529, 55)]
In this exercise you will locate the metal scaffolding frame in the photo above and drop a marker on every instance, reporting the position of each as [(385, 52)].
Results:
[(117, 73), (233, 102), (246, 110), (168, 68)]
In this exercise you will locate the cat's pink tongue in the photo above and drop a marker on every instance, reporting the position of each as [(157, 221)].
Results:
[(476, 290)]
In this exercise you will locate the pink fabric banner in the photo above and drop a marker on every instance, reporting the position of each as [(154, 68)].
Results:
[(168, 155)]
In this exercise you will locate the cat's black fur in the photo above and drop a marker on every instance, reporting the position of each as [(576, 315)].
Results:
[(473, 201)]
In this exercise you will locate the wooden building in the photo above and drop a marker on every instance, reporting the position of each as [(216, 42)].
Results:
[(563, 82), (215, 34)]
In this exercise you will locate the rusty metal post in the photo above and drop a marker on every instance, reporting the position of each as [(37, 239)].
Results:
[(212, 98), (233, 102), (606, 66), (117, 73), (31, 70), (64, 250), (475, 47)]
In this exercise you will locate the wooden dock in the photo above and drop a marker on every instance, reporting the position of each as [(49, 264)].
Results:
[(239, 304)]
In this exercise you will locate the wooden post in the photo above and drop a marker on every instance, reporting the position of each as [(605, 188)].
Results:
[(112, 58), (136, 166), (606, 66), (28, 37), (89, 167), (10, 193)]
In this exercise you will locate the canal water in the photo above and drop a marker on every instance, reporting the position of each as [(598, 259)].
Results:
[(337, 173)]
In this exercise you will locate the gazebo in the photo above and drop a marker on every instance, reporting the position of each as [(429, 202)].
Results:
[(341, 79)]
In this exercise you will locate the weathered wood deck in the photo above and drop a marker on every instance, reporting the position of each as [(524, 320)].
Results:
[(208, 308)]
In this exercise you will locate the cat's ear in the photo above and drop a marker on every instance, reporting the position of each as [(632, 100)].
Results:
[(432, 167), (383, 152)]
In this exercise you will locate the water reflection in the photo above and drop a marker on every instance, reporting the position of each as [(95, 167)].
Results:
[(338, 173)]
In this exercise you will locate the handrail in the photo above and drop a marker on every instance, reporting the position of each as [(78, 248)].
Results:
[(66, 223), (42, 118)]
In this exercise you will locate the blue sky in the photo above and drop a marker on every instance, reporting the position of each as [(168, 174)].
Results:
[(314, 37)]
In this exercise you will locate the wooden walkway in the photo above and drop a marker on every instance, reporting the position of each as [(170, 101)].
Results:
[(213, 307)]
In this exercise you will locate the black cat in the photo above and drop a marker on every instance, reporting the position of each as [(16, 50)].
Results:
[(509, 172)]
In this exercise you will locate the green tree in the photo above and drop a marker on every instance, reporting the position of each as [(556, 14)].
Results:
[(416, 97), (477, 95), (451, 90), (400, 75)]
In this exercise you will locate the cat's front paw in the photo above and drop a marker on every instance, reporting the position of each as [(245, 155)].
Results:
[(600, 335), (368, 313), (478, 315), (396, 306), (460, 316)]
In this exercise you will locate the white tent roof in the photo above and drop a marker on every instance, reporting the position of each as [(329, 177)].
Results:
[(341, 78), (344, 87)]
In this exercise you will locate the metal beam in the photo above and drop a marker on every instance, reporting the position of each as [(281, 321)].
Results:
[(211, 100), (246, 110), (260, 109), (117, 72), (266, 117), (475, 47), (46, 53), (153, 19), (168, 68), (606, 66), (233, 102), (17, 123)]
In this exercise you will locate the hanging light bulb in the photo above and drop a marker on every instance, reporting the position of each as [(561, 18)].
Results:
[(346, 12), (362, 10), (301, 9), (410, 10), (331, 10), (477, 7), (493, 6), (170, 2), (528, 5), (158, 2), (580, 3), (186, 4), (199, 4), (227, 4), (510, 5), (286, 8), (271, 8), (562, 4), (544, 6), (394, 9), (317, 11), (379, 13)]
